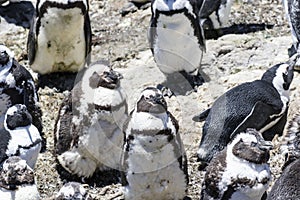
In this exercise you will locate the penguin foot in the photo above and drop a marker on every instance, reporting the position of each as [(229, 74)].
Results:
[(194, 80)]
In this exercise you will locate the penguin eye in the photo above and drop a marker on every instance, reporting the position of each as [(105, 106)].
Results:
[(253, 144)]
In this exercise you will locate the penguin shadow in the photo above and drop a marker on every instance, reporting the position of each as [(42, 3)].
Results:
[(236, 29), (59, 80), (99, 178), (18, 13), (178, 84)]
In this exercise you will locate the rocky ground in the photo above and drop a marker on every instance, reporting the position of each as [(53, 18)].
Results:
[(229, 60)]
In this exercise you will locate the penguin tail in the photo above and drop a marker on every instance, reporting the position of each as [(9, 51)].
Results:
[(202, 116)]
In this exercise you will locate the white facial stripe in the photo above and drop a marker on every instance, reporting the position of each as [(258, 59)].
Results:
[(12, 110), (278, 81), (246, 137), (8, 51)]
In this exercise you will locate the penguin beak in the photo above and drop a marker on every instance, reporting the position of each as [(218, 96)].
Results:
[(265, 145), (4, 57)]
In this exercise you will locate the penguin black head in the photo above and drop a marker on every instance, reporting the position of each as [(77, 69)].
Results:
[(151, 101), (72, 190), (280, 75), (5, 55), (17, 116), (108, 78), (14, 172), (251, 146)]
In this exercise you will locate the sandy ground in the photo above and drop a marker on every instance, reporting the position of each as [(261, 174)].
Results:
[(230, 60)]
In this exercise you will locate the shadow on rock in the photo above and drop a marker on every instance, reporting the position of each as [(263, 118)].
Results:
[(18, 13), (236, 29), (60, 81)]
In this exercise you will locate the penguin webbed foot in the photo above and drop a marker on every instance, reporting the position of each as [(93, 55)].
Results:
[(202, 166), (194, 80)]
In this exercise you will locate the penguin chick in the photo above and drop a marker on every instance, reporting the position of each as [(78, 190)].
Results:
[(154, 164), (17, 87), (59, 39), (240, 171), (17, 180), (88, 132), (19, 137), (73, 191)]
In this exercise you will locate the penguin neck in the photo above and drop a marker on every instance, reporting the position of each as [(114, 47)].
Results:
[(278, 84), (149, 121)]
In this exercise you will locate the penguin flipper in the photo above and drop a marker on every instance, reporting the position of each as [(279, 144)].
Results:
[(202, 116), (31, 42), (208, 7), (258, 118), (88, 38)]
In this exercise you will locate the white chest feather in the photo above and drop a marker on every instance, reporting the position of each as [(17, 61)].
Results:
[(176, 47), (239, 169), (61, 41), (153, 170), (22, 138), (24, 192), (221, 16)]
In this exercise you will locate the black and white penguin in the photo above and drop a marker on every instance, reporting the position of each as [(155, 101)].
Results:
[(73, 191), (214, 14), (88, 132), (240, 171), (176, 38), (154, 163), (19, 137), (261, 104), (17, 180), (60, 36), (287, 185), (17, 87), (292, 9)]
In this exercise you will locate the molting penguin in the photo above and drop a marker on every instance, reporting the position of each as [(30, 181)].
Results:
[(73, 190), (287, 185), (261, 104), (154, 164), (88, 132), (60, 36), (19, 137), (176, 38), (240, 171), (17, 180), (214, 14), (17, 87)]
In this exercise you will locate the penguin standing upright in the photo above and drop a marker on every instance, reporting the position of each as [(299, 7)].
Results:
[(214, 14), (176, 38), (17, 87), (240, 171), (261, 104), (287, 185), (17, 180), (292, 9), (88, 132), (59, 39), (19, 137), (154, 164)]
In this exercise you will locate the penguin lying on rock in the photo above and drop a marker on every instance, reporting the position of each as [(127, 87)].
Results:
[(260, 104)]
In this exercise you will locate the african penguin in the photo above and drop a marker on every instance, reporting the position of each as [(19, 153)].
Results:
[(19, 137), (17, 180), (59, 39), (154, 163), (73, 191), (88, 132), (176, 38), (17, 87), (292, 9), (260, 104), (240, 171), (214, 14), (287, 185)]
